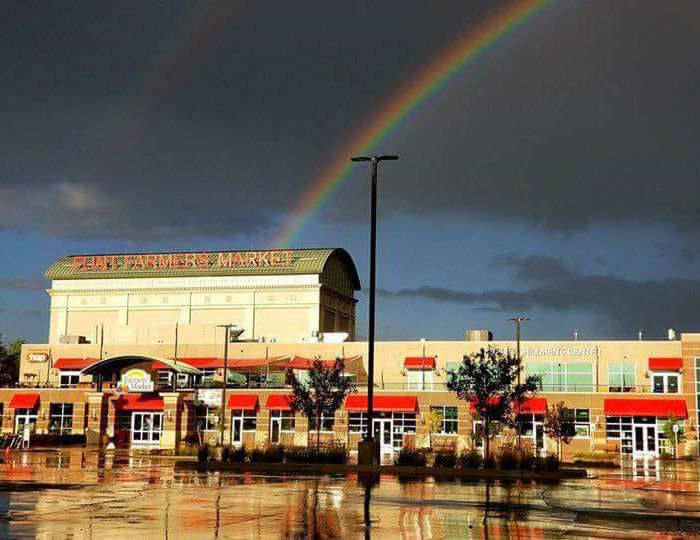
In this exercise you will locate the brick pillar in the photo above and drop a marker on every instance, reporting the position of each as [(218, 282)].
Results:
[(262, 433), (340, 427), (42, 419), (171, 436), (301, 431), (94, 430), (79, 425)]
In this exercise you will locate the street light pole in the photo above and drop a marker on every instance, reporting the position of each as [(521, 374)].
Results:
[(374, 161), (228, 334), (519, 320)]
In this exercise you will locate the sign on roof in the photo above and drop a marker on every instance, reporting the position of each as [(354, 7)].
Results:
[(181, 261)]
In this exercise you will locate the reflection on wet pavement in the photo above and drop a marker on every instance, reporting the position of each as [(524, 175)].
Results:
[(86, 494)]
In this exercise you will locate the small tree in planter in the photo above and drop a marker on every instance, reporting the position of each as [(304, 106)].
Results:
[(674, 435), (323, 392), (559, 425), (433, 419), (488, 380)]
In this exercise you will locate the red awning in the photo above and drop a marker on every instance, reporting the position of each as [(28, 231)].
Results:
[(665, 364), (139, 402), (279, 402), (646, 407), (245, 402), (73, 363), (248, 363), (383, 403), (299, 362), (536, 405), (24, 401), (419, 362)]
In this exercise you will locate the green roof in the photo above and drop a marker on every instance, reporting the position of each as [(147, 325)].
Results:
[(202, 263)]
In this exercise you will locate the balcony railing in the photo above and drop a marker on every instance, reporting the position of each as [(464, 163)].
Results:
[(393, 386)]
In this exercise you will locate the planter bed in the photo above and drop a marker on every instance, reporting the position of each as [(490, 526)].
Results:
[(311, 468)]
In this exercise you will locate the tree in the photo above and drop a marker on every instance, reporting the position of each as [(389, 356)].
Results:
[(559, 425), (322, 392), (9, 361), (674, 435), (488, 381), (433, 419)]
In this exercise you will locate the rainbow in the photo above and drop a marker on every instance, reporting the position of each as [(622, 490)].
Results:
[(397, 112)]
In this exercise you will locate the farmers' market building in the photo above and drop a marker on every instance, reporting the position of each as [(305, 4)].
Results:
[(135, 357)]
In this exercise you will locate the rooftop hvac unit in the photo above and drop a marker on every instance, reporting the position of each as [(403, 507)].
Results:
[(478, 335), (72, 340)]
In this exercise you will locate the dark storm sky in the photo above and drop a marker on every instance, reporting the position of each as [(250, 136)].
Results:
[(558, 178)]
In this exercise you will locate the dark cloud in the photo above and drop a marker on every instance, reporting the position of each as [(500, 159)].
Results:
[(22, 283), (550, 285), (182, 119)]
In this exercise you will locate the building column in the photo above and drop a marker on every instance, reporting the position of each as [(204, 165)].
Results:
[(170, 436), (79, 423), (96, 421)]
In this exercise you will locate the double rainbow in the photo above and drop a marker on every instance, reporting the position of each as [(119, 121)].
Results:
[(401, 107)]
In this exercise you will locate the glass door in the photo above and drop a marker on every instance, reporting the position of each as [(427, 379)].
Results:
[(540, 445), (275, 429), (237, 431), (645, 440), (146, 429), (382, 431)]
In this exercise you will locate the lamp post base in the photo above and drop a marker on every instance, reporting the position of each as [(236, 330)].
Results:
[(368, 452)]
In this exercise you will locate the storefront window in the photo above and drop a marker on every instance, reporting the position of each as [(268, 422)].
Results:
[(327, 422), (665, 383), (165, 379), (250, 419), (449, 419), (61, 418), (23, 416), (69, 379), (563, 376), (621, 377), (287, 422), (581, 422), (357, 422), (420, 379), (620, 428), (205, 418)]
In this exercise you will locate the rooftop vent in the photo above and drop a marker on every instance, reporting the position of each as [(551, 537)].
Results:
[(478, 335)]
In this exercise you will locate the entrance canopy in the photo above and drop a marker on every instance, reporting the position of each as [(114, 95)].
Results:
[(117, 363), (357, 403), (646, 407), (139, 402), (24, 401)]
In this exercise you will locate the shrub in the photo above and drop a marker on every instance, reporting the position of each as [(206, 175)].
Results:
[(490, 462), (332, 454), (445, 458), (470, 459), (270, 454), (53, 439), (507, 458), (409, 457), (203, 453), (539, 464), (552, 463), (187, 450), (233, 454), (526, 460)]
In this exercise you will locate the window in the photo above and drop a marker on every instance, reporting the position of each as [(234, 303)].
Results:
[(22, 416), (357, 422), (404, 422), (581, 420), (286, 419), (420, 379), (250, 419), (61, 418), (327, 422), (165, 378), (563, 376), (621, 377), (205, 418), (449, 419), (665, 383), (69, 379), (620, 428)]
